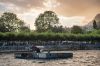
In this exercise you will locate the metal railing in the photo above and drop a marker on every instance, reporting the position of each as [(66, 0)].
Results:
[(68, 45)]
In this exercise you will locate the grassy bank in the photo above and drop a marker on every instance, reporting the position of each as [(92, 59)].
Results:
[(49, 36)]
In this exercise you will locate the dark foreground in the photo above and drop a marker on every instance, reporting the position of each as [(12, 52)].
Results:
[(80, 58)]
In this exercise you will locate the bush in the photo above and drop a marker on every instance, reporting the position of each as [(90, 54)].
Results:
[(50, 36)]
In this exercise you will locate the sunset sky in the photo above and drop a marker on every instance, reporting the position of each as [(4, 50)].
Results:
[(70, 12)]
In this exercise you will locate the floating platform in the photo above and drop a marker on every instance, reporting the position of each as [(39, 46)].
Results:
[(45, 55)]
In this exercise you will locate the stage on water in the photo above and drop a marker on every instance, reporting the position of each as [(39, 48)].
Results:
[(45, 55)]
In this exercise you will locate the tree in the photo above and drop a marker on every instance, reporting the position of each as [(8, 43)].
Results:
[(94, 24), (24, 29), (46, 21), (59, 29), (76, 29), (10, 23)]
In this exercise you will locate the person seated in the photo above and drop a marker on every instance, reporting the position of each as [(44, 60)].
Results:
[(34, 48)]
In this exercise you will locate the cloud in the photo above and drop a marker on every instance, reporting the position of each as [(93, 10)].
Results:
[(24, 3), (2, 7), (71, 12), (9, 7), (30, 16), (51, 3), (70, 21), (20, 6), (88, 8)]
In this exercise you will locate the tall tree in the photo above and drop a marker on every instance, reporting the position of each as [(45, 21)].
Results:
[(94, 24), (10, 23), (46, 21)]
